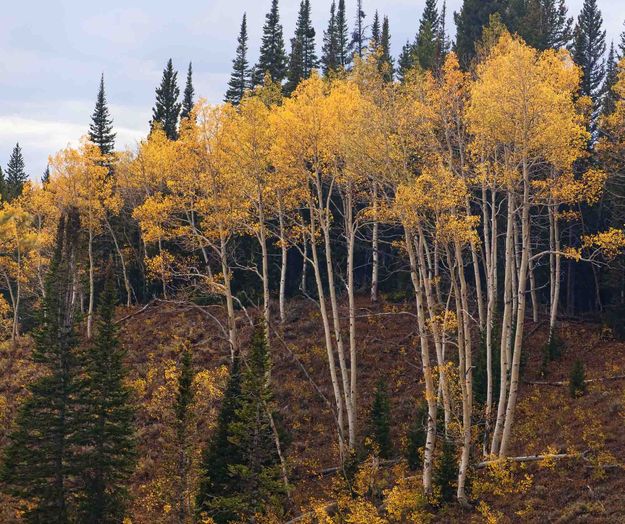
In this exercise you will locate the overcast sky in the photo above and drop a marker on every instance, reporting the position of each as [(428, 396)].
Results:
[(53, 52)]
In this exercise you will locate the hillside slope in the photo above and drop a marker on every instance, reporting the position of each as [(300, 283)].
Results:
[(587, 488)]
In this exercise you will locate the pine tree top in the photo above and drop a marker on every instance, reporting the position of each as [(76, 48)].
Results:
[(167, 108), (189, 91), (15, 174), (330, 50), (589, 47), (375, 31), (273, 57), (101, 127), (240, 79)]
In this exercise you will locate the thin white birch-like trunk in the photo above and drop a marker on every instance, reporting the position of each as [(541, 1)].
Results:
[(336, 387), (127, 286), (232, 321), (323, 211), (283, 267), (430, 394), (520, 318), (91, 285), (506, 327), (375, 247)]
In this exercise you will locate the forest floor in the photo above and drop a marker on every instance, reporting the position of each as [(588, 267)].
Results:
[(588, 489)]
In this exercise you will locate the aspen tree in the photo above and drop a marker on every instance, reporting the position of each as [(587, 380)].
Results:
[(522, 114), (79, 179)]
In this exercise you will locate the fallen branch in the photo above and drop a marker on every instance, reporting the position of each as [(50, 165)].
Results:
[(566, 382), (527, 458), (135, 313)]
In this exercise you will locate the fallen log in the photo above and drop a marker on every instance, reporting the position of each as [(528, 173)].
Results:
[(566, 382)]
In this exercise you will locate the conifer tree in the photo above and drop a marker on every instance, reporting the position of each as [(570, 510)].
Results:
[(3, 185), (108, 433), (577, 380), (470, 21), (342, 33), (252, 482), (609, 98), (330, 51), (444, 45), (621, 46), (273, 59), (544, 24), (303, 57), (240, 79), (43, 457), (446, 470), (183, 412), (221, 451), (407, 60), (167, 108), (417, 435), (386, 60), (45, 178), (189, 92), (588, 51), (428, 45), (381, 421), (376, 32), (101, 127), (359, 36), (15, 175)]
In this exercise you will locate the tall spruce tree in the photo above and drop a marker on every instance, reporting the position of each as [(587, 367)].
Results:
[(386, 60), (101, 127), (376, 32), (342, 33), (273, 59), (44, 455), (621, 46), (428, 44), (189, 92), (330, 51), (252, 480), (167, 107), (303, 57), (470, 21), (609, 97), (359, 34), (589, 48), (15, 175), (240, 79), (108, 433)]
